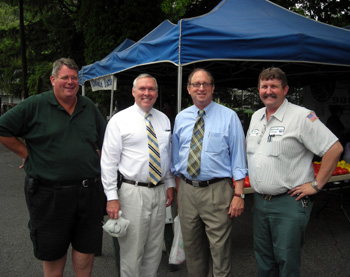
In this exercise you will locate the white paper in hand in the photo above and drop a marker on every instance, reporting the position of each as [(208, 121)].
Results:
[(116, 227)]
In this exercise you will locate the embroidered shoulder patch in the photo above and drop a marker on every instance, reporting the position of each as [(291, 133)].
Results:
[(312, 117)]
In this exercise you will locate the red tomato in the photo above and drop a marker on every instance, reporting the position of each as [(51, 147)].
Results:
[(246, 182), (344, 171), (338, 171)]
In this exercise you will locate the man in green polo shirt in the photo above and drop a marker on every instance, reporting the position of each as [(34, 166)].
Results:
[(63, 134)]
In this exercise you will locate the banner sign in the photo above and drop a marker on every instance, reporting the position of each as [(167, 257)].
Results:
[(104, 83)]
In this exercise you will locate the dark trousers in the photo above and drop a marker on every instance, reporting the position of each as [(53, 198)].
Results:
[(278, 228)]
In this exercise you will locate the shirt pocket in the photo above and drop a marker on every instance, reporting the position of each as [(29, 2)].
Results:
[(252, 144), (215, 143), (273, 148), (163, 138)]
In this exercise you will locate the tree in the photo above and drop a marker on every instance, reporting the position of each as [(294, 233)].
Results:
[(177, 9), (105, 24), (43, 41), (23, 50), (333, 12), (89, 30), (9, 49)]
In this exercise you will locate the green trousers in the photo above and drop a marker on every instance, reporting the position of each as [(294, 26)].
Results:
[(278, 228)]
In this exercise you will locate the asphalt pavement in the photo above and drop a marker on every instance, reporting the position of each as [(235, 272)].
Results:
[(326, 251)]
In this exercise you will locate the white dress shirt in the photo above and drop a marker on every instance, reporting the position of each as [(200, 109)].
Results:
[(125, 148)]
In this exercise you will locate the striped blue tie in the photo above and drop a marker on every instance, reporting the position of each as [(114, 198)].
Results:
[(194, 156), (155, 173)]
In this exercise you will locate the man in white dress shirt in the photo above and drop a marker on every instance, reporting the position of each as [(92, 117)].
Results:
[(125, 150)]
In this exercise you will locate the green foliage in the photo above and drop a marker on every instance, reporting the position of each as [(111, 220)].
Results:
[(8, 17), (175, 10), (89, 30), (105, 24), (10, 63), (39, 79), (333, 12)]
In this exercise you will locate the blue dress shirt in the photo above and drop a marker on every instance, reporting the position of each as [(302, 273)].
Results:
[(223, 152)]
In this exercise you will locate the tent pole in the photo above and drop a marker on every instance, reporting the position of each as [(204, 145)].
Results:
[(111, 105), (112, 95), (179, 86), (82, 80)]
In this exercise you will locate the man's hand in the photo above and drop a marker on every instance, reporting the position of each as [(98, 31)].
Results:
[(169, 196), (237, 203), (328, 164), (236, 207), (113, 207), (302, 191), (22, 165), (15, 145)]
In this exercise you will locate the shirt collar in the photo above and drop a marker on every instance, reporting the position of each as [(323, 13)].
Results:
[(141, 111), (51, 98), (279, 114), (207, 109)]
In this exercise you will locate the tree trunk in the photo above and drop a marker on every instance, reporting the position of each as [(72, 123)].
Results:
[(23, 50)]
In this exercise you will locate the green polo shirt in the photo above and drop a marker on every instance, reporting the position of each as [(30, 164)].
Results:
[(61, 147)]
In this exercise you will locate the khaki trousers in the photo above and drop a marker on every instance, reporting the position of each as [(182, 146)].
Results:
[(141, 247), (206, 227)]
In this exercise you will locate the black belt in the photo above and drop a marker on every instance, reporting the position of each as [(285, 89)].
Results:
[(269, 197), (148, 185), (201, 183), (68, 184)]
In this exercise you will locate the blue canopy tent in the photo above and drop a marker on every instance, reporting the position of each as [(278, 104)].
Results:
[(124, 58), (242, 33), (124, 45)]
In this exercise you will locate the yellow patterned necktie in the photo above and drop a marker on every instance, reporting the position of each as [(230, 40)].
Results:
[(155, 173), (194, 156)]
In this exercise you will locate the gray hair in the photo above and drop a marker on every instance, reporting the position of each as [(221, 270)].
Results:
[(57, 65), (144, 75)]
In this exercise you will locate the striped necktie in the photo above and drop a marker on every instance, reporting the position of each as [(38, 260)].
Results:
[(194, 156), (155, 173)]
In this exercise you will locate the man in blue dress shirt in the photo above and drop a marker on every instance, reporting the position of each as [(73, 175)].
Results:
[(208, 202)]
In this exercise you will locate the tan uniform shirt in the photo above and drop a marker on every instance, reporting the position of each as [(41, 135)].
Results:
[(280, 151)]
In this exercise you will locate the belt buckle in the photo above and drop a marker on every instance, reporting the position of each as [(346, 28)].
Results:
[(267, 197), (85, 183), (195, 184)]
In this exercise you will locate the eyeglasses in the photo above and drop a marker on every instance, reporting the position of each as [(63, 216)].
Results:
[(198, 85), (66, 78)]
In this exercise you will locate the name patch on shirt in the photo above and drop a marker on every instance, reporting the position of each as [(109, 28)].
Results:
[(254, 133), (312, 117), (276, 131)]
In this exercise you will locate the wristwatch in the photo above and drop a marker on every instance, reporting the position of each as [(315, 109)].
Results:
[(314, 185), (240, 195)]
